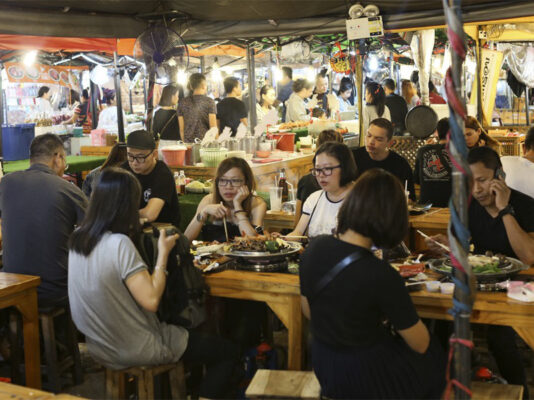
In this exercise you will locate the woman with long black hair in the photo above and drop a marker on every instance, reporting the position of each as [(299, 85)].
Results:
[(375, 106), (114, 299)]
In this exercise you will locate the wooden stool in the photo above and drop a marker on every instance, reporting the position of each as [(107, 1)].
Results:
[(283, 385), (116, 379), (54, 366), (496, 391), (72, 361)]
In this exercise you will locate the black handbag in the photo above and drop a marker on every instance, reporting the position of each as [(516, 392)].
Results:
[(184, 300)]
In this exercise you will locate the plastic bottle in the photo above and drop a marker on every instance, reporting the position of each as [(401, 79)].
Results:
[(282, 182), (181, 182)]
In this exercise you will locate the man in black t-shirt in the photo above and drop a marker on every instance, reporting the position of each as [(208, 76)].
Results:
[(501, 220), (159, 201), (397, 107), (231, 111), (433, 169), (376, 154)]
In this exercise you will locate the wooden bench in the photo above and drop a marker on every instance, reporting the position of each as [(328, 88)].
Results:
[(495, 391), (15, 392), (304, 385), (284, 384), (116, 381)]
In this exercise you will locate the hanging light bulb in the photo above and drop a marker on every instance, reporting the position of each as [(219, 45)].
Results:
[(29, 58), (181, 77), (373, 63)]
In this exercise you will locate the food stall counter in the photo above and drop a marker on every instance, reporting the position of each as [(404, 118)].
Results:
[(76, 164)]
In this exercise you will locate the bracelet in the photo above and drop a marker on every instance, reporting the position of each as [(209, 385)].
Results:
[(239, 211), (164, 269)]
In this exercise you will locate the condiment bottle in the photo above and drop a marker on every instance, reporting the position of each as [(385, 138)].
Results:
[(181, 182), (282, 182), (177, 182)]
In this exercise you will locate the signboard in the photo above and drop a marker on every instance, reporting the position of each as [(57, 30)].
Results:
[(490, 66), (45, 74), (363, 28)]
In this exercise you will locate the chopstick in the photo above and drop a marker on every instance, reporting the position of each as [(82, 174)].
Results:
[(294, 237), (435, 241), (225, 227)]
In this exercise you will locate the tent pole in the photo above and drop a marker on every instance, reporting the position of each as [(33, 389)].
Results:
[(251, 70), (118, 98), (202, 65), (480, 112), (1, 111), (131, 101), (359, 85), (93, 103)]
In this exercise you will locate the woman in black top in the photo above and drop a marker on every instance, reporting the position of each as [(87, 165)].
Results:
[(165, 124), (233, 199), (354, 353)]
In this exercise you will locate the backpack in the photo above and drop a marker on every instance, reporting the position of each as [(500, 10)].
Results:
[(184, 300)]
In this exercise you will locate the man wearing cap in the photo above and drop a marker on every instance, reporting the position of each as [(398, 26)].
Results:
[(159, 201)]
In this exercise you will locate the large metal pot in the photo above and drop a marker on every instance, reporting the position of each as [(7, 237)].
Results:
[(251, 144), (233, 144)]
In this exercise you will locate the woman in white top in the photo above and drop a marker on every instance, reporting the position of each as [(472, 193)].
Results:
[(375, 107), (265, 104), (107, 119), (335, 171), (410, 94), (343, 95), (42, 101), (296, 104)]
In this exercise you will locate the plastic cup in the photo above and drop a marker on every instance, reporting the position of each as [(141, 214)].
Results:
[(275, 197)]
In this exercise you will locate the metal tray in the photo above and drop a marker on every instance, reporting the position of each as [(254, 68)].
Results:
[(508, 269), (261, 257)]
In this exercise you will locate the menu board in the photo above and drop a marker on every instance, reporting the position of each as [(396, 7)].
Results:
[(46, 74)]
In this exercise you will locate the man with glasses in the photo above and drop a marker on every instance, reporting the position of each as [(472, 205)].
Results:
[(39, 210), (159, 201), (376, 154)]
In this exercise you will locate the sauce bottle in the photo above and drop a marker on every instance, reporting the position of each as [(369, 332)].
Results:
[(282, 182)]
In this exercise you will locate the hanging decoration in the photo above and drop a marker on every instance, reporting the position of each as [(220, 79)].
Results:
[(458, 230), (340, 61)]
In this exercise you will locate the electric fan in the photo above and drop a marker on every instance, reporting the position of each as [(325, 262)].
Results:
[(163, 52)]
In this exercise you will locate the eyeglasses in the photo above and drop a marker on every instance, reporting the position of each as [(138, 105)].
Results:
[(232, 182), (139, 159), (326, 171)]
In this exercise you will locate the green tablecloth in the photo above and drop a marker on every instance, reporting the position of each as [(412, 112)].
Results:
[(76, 164)]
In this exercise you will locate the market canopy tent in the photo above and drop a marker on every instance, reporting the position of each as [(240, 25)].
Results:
[(204, 20)]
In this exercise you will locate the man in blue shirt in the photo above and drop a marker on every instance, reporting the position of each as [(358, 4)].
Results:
[(285, 88)]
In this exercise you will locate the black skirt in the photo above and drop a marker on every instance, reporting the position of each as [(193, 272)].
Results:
[(388, 370)]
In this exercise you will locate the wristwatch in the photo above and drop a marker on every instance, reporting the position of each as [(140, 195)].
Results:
[(506, 210), (199, 217)]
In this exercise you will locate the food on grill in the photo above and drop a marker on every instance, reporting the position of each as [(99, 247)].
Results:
[(260, 245)]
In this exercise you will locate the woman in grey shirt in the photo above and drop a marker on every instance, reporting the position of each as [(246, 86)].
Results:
[(114, 298)]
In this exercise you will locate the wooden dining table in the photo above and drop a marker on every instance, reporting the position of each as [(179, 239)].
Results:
[(20, 291), (281, 292), (433, 222)]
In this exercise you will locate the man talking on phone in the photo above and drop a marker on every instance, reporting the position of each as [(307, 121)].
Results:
[(501, 220)]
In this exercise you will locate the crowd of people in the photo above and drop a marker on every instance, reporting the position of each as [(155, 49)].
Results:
[(365, 329)]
